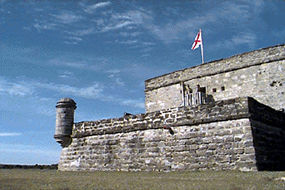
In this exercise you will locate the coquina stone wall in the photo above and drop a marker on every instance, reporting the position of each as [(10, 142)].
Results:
[(232, 134), (259, 74)]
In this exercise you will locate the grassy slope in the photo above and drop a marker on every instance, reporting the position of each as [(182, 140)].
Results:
[(17, 179)]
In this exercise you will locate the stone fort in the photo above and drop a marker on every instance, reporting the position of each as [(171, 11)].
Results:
[(222, 115)]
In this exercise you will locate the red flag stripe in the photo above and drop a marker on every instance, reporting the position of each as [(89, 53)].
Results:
[(196, 40)]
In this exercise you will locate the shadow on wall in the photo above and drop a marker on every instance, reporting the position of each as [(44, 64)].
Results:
[(210, 98), (269, 145)]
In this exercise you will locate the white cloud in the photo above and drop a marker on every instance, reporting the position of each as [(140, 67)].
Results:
[(113, 71), (146, 49), (72, 40), (92, 8), (44, 26), (10, 134), (130, 34), (243, 38), (148, 43), (113, 74), (19, 90), (39, 103), (15, 89), (132, 103), (61, 22), (33, 104), (66, 75), (116, 26), (128, 42), (234, 12), (119, 82), (73, 64), (56, 21), (82, 32), (171, 32), (77, 62), (93, 91), (145, 55), (109, 21), (67, 17), (19, 94), (129, 19), (139, 16), (27, 88)]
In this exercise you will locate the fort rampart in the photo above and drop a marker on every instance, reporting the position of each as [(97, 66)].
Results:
[(238, 133), (259, 74)]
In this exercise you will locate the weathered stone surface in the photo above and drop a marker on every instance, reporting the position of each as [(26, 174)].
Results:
[(204, 141), (64, 120), (234, 109), (259, 74), (154, 156)]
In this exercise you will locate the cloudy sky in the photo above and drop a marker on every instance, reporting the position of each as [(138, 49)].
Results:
[(100, 53)]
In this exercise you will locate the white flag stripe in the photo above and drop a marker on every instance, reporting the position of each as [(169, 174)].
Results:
[(197, 41)]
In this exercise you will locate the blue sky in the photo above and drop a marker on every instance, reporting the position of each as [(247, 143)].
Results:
[(100, 53)]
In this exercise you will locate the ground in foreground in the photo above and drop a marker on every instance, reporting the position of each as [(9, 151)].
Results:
[(35, 179)]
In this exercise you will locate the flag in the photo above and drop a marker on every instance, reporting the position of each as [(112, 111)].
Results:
[(198, 41)]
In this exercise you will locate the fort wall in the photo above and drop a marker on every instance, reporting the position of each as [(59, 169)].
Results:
[(259, 74), (196, 119), (232, 134)]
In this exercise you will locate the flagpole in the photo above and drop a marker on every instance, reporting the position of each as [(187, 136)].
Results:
[(202, 51)]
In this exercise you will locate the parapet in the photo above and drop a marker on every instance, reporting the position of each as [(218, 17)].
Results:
[(235, 62), (66, 102), (234, 134), (232, 109)]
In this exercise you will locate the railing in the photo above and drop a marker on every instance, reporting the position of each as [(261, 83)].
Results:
[(195, 99)]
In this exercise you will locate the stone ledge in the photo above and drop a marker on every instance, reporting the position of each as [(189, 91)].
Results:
[(224, 110)]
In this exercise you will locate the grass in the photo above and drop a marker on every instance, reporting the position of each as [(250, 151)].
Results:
[(35, 179)]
